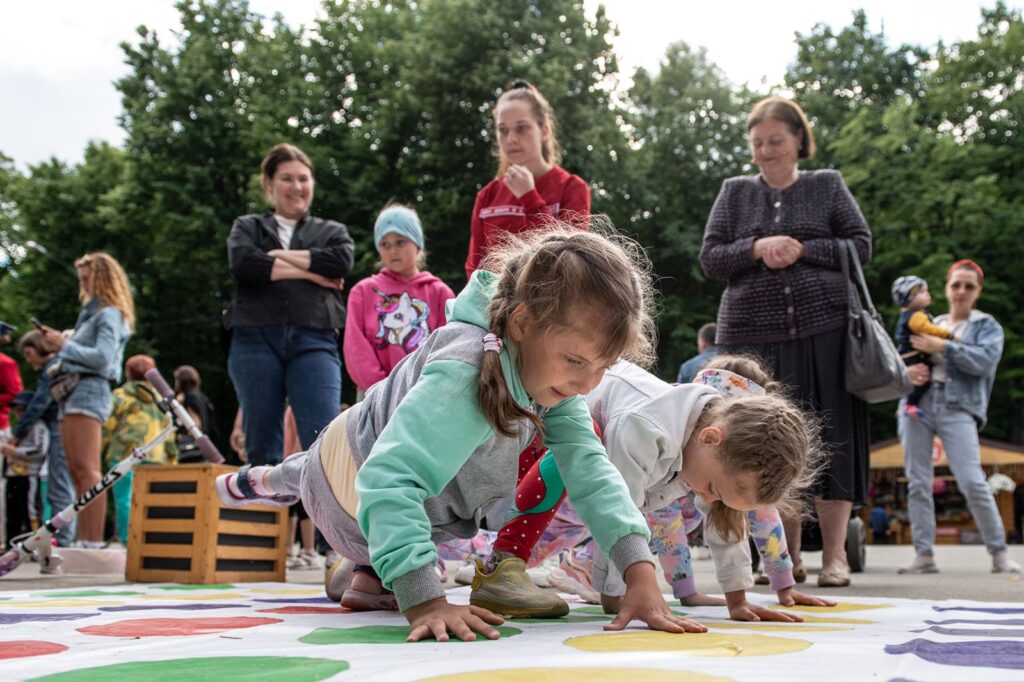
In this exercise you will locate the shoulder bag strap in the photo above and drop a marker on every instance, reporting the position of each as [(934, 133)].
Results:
[(861, 282), (852, 294)]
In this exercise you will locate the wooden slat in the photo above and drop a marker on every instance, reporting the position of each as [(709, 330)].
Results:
[(160, 575), (254, 553), (245, 528), (176, 551), (164, 526)]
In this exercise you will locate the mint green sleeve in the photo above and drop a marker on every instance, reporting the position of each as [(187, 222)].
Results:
[(430, 435), (594, 486)]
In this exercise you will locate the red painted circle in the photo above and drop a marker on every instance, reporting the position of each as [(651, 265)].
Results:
[(24, 648), (174, 627)]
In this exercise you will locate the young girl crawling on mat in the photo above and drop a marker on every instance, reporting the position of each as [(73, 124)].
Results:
[(686, 454), (434, 446)]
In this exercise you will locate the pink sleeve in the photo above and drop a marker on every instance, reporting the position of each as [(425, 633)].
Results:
[(360, 357)]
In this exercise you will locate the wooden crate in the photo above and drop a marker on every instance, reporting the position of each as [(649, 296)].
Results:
[(179, 532)]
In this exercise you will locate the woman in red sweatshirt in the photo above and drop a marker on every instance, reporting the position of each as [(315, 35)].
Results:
[(530, 187), (390, 313)]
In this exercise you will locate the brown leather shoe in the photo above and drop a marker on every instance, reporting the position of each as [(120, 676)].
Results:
[(799, 572)]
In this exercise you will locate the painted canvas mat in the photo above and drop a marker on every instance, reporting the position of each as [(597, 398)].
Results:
[(286, 631)]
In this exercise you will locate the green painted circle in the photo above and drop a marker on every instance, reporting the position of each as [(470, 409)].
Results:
[(249, 668), (380, 634)]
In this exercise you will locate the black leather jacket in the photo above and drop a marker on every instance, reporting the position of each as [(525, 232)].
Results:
[(260, 301)]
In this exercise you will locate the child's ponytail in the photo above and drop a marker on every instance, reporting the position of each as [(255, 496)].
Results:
[(496, 400)]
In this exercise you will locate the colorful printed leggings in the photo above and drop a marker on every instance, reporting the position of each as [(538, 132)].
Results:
[(550, 526)]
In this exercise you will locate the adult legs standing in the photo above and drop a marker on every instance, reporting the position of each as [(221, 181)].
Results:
[(80, 435), (256, 365), (312, 379)]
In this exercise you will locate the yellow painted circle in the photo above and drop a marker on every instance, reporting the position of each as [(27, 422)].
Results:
[(209, 596), (589, 674), (838, 608), (725, 645), (769, 626)]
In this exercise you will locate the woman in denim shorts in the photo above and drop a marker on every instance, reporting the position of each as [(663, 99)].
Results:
[(94, 352)]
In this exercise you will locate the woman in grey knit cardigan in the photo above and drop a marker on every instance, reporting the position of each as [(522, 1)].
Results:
[(773, 238)]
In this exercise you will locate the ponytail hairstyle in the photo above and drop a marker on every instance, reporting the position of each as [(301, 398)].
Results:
[(109, 284), (543, 114), (569, 280), (748, 367), (769, 442)]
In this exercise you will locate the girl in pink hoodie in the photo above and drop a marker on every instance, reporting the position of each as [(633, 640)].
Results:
[(390, 313)]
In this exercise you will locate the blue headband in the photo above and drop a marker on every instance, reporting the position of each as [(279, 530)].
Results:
[(400, 220)]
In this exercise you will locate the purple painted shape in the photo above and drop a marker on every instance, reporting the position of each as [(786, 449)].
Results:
[(975, 632), (15, 618), (304, 600), (176, 607), (986, 654), (968, 621), (978, 609)]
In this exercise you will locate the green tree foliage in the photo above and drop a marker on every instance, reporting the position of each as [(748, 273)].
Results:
[(687, 125)]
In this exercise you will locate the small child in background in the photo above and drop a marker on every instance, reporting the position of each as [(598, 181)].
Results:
[(22, 498), (911, 294), (390, 313)]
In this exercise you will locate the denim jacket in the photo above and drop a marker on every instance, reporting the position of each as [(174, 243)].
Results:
[(97, 346), (41, 406), (971, 364)]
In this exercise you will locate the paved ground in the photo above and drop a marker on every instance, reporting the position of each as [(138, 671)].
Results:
[(964, 575)]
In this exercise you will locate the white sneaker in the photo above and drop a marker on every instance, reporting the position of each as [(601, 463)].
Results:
[(464, 574), (1002, 563), (922, 563)]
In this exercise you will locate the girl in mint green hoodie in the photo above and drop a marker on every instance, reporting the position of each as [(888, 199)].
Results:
[(434, 448)]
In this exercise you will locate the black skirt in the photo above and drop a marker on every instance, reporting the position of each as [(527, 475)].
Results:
[(813, 372)]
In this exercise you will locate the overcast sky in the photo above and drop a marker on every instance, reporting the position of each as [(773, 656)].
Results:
[(59, 58)]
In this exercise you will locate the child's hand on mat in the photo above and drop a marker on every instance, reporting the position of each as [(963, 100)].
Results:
[(437, 618), (790, 597), (741, 609), (643, 601), (698, 599)]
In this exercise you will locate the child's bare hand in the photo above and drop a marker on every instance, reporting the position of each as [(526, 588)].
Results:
[(438, 618), (744, 610), (698, 599), (790, 597), (643, 601)]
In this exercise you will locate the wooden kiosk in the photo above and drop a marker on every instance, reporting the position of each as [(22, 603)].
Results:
[(954, 524)]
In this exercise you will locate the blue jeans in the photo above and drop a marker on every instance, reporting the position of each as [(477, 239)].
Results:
[(958, 432), (270, 363), (60, 491)]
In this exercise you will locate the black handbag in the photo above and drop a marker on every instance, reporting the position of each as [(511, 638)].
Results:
[(62, 384), (875, 372)]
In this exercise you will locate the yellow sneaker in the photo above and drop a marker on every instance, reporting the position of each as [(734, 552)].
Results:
[(508, 591)]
